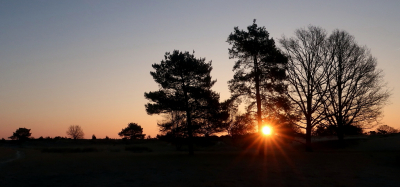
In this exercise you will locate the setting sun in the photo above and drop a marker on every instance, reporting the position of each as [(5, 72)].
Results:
[(266, 130)]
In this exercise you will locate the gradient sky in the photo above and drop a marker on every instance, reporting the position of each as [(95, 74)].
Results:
[(87, 62)]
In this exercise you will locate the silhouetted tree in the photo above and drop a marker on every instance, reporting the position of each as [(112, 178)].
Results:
[(185, 86), (133, 131), (21, 134), (259, 70), (307, 75), (356, 91), (330, 130), (385, 129), (61, 138), (175, 124), (242, 125), (93, 137), (75, 132), (260, 65)]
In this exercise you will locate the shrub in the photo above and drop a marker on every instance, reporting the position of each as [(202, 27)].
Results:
[(69, 150), (137, 149)]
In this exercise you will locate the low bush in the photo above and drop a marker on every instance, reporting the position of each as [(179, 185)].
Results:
[(137, 149), (69, 150)]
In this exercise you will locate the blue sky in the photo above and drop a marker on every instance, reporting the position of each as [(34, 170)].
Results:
[(87, 62)]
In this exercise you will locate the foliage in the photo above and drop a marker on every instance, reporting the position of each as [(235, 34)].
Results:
[(69, 150), (93, 137), (137, 149), (330, 130), (385, 129), (259, 71), (21, 134), (185, 88), (62, 138), (242, 125), (75, 132), (174, 124), (133, 131)]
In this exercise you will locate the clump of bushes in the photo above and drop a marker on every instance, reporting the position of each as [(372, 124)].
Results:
[(69, 150), (137, 149)]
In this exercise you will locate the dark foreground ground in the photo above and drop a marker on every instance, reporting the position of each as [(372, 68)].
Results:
[(368, 162)]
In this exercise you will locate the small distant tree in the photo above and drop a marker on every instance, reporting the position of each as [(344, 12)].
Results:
[(75, 132), (93, 137), (133, 131), (106, 138), (21, 134), (386, 129), (58, 138)]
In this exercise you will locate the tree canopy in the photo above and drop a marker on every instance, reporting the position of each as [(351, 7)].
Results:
[(21, 134), (356, 92), (260, 67), (75, 132), (133, 131), (259, 71), (333, 81), (185, 87), (307, 69)]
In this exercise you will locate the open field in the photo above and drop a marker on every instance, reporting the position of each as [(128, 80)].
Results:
[(364, 162)]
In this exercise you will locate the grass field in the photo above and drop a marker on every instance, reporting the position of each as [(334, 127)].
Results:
[(365, 162)]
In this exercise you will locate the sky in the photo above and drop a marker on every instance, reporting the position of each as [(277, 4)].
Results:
[(88, 62)]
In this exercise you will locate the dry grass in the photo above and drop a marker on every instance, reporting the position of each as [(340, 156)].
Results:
[(112, 165), (6, 153)]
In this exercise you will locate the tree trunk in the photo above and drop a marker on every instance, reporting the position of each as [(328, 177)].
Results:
[(339, 119), (189, 122), (308, 134), (190, 133), (258, 100), (309, 124)]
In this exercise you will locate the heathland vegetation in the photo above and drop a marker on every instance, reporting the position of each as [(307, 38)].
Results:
[(315, 84), (317, 91)]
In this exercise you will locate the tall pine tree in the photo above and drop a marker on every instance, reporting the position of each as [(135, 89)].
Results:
[(185, 85), (260, 67)]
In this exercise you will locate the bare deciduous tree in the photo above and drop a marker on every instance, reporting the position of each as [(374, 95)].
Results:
[(307, 74), (356, 88), (75, 132)]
